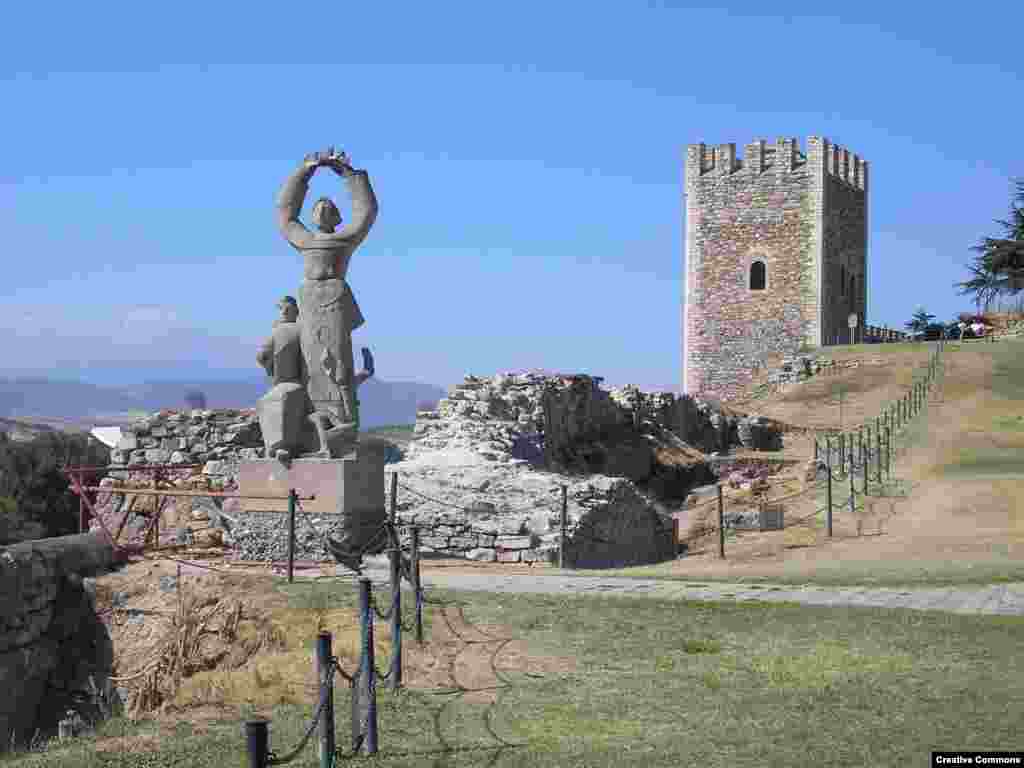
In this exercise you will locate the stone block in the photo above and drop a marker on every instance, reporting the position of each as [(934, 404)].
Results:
[(508, 557), (128, 442), (513, 542), (352, 487), (157, 456)]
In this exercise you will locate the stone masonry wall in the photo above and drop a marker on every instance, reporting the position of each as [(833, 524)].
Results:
[(844, 250), (55, 653), (786, 209)]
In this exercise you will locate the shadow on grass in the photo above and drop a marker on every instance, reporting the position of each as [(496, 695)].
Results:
[(457, 692)]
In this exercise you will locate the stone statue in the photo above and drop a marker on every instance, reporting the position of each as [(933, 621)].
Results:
[(329, 312)]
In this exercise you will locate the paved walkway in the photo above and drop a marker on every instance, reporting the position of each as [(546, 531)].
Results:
[(1002, 599)]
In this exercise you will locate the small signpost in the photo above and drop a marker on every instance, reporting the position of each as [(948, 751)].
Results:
[(851, 321)]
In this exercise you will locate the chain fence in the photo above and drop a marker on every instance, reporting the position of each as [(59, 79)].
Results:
[(858, 462)]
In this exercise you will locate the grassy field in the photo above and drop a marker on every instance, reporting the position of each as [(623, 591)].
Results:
[(595, 682)]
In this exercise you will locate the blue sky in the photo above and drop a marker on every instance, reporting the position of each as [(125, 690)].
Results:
[(527, 156)]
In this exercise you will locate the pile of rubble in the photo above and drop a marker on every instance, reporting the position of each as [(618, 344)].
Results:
[(485, 471), (176, 437)]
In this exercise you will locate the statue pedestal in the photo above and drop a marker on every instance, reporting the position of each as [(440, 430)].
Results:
[(349, 492)]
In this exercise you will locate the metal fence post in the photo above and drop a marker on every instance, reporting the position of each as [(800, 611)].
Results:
[(292, 496), (563, 524), (888, 453), (828, 486), (257, 742), (324, 662), (878, 454), (368, 673), (393, 507), (853, 490), (864, 462), (414, 566), (357, 682), (395, 675), (721, 523)]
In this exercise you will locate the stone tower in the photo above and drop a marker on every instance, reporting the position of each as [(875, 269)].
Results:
[(776, 256)]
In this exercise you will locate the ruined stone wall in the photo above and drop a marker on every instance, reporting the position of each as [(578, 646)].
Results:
[(55, 653), (787, 210)]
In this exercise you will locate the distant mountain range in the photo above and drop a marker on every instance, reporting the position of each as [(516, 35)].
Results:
[(71, 404)]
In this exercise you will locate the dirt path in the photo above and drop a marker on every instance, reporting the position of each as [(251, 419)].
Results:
[(1003, 599)]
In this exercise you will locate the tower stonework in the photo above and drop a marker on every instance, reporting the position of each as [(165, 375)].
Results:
[(776, 256)]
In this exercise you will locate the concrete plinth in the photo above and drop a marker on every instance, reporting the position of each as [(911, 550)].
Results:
[(351, 488)]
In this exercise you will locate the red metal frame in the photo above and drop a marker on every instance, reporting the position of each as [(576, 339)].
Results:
[(86, 509)]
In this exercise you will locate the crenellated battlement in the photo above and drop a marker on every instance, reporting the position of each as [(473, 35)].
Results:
[(782, 156)]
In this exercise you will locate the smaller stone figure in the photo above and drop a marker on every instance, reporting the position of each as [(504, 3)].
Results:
[(284, 411)]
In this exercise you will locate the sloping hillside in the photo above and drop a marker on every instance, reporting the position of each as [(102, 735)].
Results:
[(956, 513), (851, 396)]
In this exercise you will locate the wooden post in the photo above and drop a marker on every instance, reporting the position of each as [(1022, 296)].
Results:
[(878, 454), (888, 453), (414, 566), (396, 543), (324, 662), (721, 524), (864, 462), (828, 487), (853, 490), (369, 669), (564, 522), (257, 743), (396, 616), (291, 535), (393, 509)]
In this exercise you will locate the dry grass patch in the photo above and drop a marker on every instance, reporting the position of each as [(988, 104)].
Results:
[(827, 663), (245, 643)]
